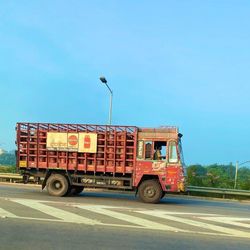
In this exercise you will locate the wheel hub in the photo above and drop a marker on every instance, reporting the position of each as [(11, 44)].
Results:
[(150, 192), (57, 185)]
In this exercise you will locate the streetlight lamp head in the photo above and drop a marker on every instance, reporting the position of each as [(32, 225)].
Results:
[(103, 79)]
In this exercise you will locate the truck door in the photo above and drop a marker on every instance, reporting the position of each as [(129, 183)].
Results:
[(151, 161), (150, 152)]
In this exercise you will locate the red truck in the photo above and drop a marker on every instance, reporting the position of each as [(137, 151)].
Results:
[(69, 157)]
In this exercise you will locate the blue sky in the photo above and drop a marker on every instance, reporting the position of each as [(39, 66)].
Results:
[(183, 63)]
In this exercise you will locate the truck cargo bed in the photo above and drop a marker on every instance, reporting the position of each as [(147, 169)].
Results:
[(114, 152)]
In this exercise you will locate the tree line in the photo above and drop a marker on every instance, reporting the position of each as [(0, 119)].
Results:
[(8, 159), (218, 176)]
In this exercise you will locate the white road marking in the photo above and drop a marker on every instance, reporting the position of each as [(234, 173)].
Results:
[(55, 212), (163, 215), (185, 213), (63, 216), (131, 219), (229, 220), (6, 214)]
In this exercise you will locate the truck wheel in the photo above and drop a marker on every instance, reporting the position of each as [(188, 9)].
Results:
[(57, 185), (76, 190), (150, 191)]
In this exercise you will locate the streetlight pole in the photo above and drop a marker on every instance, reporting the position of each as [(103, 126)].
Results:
[(103, 80), (236, 172)]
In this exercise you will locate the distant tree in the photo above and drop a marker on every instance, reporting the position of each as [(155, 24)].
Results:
[(8, 159), (243, 180), (195, 175), (218, 176)]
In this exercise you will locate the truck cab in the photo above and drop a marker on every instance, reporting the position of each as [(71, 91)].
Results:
[(159, 162)]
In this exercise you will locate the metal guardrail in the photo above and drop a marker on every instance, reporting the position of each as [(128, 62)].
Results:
[(222, 191), (8, 177), (14, 178)]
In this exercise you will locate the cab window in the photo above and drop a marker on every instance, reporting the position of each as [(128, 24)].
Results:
[(160, 150), (173, 156), (152, 150), (148, 149)]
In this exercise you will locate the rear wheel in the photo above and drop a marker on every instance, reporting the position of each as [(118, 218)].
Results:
[(150, 191), (57, 185)]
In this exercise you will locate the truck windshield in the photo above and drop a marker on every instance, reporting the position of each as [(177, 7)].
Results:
[(173, 157), (181, 153)]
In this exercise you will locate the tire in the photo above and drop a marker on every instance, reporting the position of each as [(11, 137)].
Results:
[(57, 185), (76, 190), (150, 191)]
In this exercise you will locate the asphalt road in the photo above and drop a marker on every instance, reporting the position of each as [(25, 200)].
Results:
[(31, 219)]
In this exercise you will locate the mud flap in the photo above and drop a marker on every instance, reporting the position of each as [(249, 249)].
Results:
[(136, 191), (45, 180), (26, 178)]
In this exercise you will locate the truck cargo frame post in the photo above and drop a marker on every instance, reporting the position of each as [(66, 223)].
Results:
[(71, 157), (103, 80)]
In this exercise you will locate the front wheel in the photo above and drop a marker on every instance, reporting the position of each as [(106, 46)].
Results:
[(57, 185), (150, 191)]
